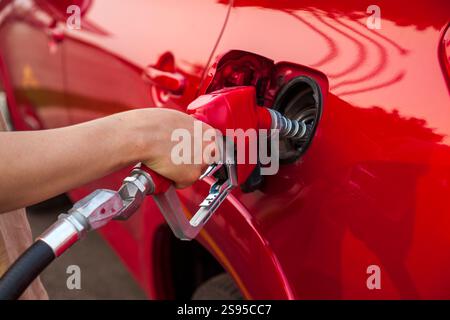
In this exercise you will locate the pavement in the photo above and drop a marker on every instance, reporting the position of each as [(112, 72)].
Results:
[(102, 274)]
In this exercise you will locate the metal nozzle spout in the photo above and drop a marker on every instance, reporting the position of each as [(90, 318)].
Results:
[(288, 128)]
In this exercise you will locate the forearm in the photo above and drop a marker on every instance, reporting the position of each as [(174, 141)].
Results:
[(37, 165)]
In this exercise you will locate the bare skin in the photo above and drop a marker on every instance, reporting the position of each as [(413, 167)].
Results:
[(37, 165)]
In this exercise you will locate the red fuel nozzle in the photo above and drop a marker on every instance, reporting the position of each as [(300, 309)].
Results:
[(236, 108), (232, 108)]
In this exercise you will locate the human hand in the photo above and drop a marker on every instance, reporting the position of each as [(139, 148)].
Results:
[(159, 130)]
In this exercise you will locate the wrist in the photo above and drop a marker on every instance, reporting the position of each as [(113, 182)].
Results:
[(125, 139), (138, 130)]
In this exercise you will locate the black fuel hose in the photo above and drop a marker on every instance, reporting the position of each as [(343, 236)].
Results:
[(25, 269)]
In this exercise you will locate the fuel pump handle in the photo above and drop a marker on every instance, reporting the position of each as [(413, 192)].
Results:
[(230, 108)]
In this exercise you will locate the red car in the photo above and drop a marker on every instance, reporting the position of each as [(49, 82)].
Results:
[(360, 211)]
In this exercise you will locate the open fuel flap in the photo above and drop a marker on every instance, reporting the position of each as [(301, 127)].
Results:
[(294, 90)]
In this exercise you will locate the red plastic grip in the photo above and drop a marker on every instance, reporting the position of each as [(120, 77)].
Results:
[(232, 108), (161, 183)]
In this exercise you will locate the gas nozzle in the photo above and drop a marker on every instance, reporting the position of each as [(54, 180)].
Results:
[(230, 108)]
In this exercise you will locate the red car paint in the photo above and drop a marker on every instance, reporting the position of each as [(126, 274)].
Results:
[(372, 188)]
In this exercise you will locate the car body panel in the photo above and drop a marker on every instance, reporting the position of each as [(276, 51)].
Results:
[(372, 188), (361, 194)]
